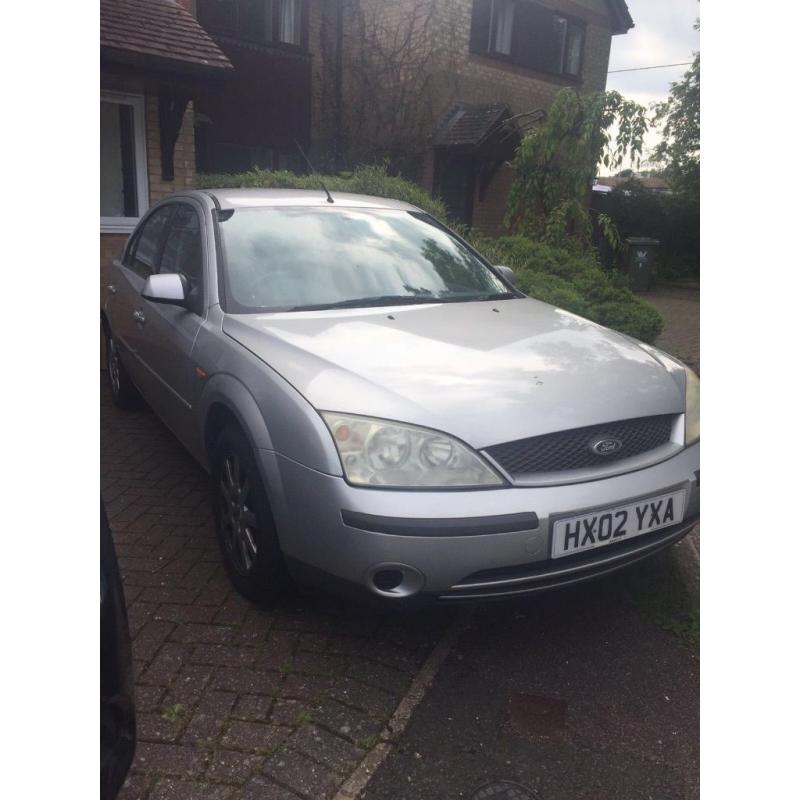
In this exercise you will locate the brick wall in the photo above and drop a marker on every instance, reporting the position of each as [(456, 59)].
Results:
[(184, 153)]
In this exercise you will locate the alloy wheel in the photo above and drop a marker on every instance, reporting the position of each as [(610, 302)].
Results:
[(238, 520)]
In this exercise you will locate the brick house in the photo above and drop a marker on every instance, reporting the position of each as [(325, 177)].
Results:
[(155, 59)]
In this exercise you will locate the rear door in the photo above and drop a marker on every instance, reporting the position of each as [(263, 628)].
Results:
[(168, 332), (125, 309)]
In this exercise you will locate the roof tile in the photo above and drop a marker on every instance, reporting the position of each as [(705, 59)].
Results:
[(159, 28)]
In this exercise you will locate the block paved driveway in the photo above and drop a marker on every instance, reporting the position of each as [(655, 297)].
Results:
[(233, 700)]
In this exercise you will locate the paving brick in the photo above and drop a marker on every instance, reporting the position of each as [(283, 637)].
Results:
[(184, 614), (332, 751), (188, 685), (168, 789), (172, 759), (156, 728), (150, 637), (136, 787), (368, 698), (204, 634), (306, 687), (148, 698), (256, 736), (257, 708), (264, 789), (232, 766), (209, 716), (290, 712), (278, 651), (247, 681), (169, 594), (320, 663), (354, 725), (302, 775), (374, 674), (166, 664), (224, 655)]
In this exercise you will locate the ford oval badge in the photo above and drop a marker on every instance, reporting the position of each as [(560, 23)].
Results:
[(606, 446)]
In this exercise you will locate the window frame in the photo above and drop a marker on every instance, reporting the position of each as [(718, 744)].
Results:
[(129, 258), (485, 49), (198, 305), (137, 102)]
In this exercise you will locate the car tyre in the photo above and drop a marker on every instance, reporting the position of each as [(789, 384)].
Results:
[(123, 392), (245, 529)]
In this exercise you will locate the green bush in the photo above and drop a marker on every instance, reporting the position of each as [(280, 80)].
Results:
[(574, 280), (569, 278), (372, 180)]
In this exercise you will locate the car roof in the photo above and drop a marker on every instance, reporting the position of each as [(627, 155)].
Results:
[(263, 198)]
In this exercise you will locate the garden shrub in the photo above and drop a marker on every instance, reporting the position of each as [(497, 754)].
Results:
[(568, 277), (373, 180), (574, 280)]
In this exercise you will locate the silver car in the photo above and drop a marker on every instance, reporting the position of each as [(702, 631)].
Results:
[(383, 412)]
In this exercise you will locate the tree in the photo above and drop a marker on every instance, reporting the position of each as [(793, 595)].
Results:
[(556, 162), (679, 119), (395, 72)]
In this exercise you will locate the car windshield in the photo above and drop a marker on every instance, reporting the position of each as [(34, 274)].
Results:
[(299, 259)]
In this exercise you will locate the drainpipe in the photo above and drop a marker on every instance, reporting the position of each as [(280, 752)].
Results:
[(337, 85)]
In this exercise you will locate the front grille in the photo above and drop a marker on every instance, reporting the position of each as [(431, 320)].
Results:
[(567, 450)]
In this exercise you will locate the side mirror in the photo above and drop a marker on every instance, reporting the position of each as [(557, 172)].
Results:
[(170, 288), (507, 273)]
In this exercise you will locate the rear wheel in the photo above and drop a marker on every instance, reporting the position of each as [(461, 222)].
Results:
[(123, 391), (245, 529)]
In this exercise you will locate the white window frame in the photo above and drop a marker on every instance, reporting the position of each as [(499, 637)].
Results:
[(136, 101)]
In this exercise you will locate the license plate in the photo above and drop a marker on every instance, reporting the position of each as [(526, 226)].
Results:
[(594, 529)]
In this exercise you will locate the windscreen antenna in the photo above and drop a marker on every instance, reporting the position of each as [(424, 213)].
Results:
[(313, 171)]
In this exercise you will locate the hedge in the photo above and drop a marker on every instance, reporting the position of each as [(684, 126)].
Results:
[(570, 279)]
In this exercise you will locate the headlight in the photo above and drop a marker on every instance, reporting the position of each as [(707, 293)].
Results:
[(692, 424), (376, 452)]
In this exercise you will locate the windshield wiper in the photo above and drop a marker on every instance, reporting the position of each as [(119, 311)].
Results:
[(470, 298), (367, 302)]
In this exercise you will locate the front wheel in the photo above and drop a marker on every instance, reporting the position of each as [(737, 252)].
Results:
[(245, 529)]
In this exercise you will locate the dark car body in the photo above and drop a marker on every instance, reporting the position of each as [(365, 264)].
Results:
[(117, 718)]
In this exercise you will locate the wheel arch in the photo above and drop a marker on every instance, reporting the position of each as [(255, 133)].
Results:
[(226, 401)]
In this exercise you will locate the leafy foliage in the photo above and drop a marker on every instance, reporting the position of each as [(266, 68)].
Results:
[(574, 280), (556, 162), (373, 180), (679, 118), (673, 219)]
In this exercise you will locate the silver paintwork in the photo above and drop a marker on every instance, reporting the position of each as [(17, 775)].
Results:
[(483, 375), (167, 288)]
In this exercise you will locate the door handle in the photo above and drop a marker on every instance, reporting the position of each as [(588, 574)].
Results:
[(111, 288), (140, 317)]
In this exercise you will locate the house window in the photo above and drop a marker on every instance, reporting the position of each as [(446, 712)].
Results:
[(263, 21), (528, 34), (123, 162)]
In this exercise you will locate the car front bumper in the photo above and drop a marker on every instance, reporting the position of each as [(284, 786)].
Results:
[(458, 545)]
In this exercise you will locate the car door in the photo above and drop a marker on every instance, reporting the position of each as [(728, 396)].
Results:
[(124, 307), (168, 332)]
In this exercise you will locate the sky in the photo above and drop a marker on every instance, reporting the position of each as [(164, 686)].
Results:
[(663, 34)]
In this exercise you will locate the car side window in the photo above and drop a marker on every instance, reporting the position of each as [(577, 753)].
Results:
[(149, 241), (183, 252)]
